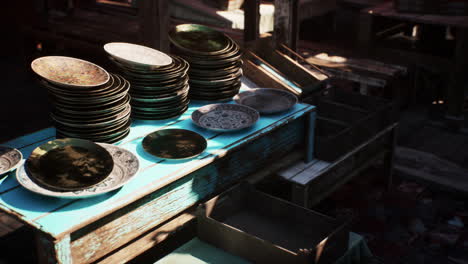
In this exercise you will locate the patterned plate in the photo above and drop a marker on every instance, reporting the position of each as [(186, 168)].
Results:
[(174, 144), (125, 168), (70, 72), (137, 55), (225, 117), (267, 100), (10, 159)]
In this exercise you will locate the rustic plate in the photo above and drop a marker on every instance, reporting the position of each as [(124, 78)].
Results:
[(70, 72), (137, 55), (174, 144), (225, 117), (126, 166), (267, 100), (69, 164), (199, 39), (10, 159)]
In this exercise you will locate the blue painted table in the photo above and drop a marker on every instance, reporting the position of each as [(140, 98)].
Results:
[(86, 230)]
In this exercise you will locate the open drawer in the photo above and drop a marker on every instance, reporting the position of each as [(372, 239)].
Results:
[(263, 229)]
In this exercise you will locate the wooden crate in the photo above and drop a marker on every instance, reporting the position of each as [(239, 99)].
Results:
[(332, 139), (265, 229), (269, 67)]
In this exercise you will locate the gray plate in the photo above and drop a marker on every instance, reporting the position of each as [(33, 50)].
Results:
[(267, 100), (10, 159), (225, 117), (125, 168)]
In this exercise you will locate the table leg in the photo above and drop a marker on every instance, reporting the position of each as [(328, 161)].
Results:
[(300, 195), (50, 250), (458, 82), (310, 136), (390, 158)]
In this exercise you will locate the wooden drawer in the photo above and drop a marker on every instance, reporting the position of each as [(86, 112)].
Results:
[(263, 229)]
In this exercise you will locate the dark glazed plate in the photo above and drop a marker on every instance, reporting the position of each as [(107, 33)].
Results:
[(126, 166), (225, 117), (199, 39), (174, 144), (69, 164), (267, 100), (10, 159)]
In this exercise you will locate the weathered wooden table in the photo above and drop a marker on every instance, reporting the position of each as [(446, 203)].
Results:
[(89, 230)]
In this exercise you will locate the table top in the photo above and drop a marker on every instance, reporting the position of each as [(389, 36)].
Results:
[(59, 217), (387, 9)]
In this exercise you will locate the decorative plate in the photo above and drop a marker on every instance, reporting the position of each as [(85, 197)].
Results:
[(10, 159), (174, 144), (125, 168), (70, 72), (199, 39), (225, 117), (137, 55), (267, 100), (69, 164)]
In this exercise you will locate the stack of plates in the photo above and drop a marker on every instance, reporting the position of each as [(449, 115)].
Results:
[(159, 81), (88, 103), (215, 61)]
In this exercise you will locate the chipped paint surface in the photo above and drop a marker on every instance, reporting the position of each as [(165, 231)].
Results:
[(164, 188)]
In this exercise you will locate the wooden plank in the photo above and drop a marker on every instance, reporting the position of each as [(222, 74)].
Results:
[(150, 240), (296, 168), (429, 168), (50, 251), (311, 173)]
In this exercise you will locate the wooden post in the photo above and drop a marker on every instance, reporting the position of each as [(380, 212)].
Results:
[(154, 23), (365, 38), (456, 90), (251, 20), (50, 251), (286, 28)]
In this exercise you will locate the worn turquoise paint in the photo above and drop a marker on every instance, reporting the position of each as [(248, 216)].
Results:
[(310, 136), (198, 252), (58, 216), (55, 251), (177, 196)]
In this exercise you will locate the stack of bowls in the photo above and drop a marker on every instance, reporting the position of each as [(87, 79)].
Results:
[(88, 103), (215, 61), (159, 81)]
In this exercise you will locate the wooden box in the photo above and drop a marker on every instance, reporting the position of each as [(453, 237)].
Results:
[(263, 229), (332, 139), (271, 67)]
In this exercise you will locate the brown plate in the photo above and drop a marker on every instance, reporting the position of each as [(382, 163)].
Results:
[(69, 164), (199, 39), (174, 144), (70, 72)]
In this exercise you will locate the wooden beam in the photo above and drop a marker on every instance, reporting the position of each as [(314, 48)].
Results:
[(251, 20), (154, 23), (286, 27)]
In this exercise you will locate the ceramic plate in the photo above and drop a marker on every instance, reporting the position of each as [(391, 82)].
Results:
[(137, 55), (70, 72), (10, 159), (266, 100), (125, 168), (69, 164), (225, 117), (174, 144), (199, 39)]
